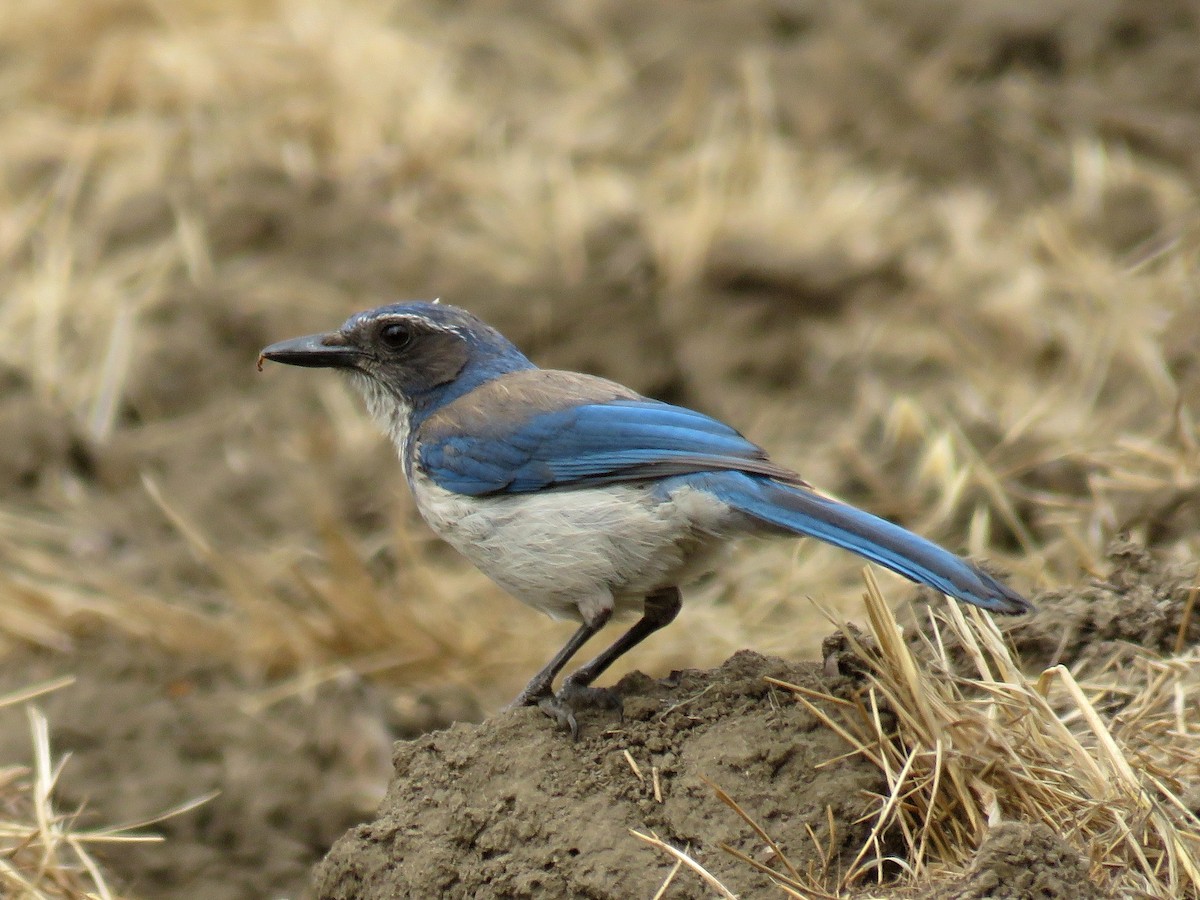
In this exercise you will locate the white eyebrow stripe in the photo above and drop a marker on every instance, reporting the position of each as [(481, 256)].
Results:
[(416, 320)]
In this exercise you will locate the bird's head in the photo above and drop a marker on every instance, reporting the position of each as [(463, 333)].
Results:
[(407, 357)]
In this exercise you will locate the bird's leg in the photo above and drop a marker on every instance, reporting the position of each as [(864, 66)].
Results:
[(539, 685), (659, 610)]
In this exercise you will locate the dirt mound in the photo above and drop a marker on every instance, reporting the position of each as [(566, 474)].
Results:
[(513, 808)]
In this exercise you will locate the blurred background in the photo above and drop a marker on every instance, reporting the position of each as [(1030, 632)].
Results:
[(940, 256)]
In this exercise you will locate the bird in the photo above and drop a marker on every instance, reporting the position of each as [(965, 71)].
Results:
[(580, 497)]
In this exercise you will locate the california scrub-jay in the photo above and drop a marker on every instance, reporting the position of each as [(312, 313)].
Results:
[(578, 496)]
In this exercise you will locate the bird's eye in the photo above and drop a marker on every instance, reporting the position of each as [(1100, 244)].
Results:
[(395, 336)]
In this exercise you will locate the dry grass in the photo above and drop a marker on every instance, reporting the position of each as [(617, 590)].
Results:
[(44, 853)]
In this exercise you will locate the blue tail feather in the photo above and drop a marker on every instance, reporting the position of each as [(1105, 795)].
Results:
[(801, 511)]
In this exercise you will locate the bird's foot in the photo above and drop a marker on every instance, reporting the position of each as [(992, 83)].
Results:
[(533, 695), (573, 697)]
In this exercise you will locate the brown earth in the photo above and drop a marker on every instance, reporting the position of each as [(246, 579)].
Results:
[(938, 254)]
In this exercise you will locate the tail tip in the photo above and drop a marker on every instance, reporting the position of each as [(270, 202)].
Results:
[(998, 597), (1011, 604)]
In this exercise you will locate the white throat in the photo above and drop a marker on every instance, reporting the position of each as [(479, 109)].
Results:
[(391, 413)]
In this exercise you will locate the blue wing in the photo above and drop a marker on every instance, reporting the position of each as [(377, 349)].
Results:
[(620, 439)]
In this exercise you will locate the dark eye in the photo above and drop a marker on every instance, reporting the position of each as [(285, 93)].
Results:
[(395, 336)]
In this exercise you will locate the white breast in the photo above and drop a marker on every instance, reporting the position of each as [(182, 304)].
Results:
[(557, 549)]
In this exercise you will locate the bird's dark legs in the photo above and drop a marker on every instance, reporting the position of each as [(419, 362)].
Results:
[(539, 685), (659, 611)]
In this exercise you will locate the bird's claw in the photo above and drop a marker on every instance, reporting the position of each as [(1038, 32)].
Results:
[(572, 697), (582, 696), (562, 713)]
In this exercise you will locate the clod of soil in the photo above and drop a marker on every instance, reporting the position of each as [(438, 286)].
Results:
[(1022, 861), (513, 808), (1143, 602)]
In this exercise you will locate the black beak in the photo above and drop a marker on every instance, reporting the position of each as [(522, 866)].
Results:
[(323, 351)]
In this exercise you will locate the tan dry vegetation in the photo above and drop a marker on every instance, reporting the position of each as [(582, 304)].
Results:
[(44, 853), (1106, 757), (950, 281)]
